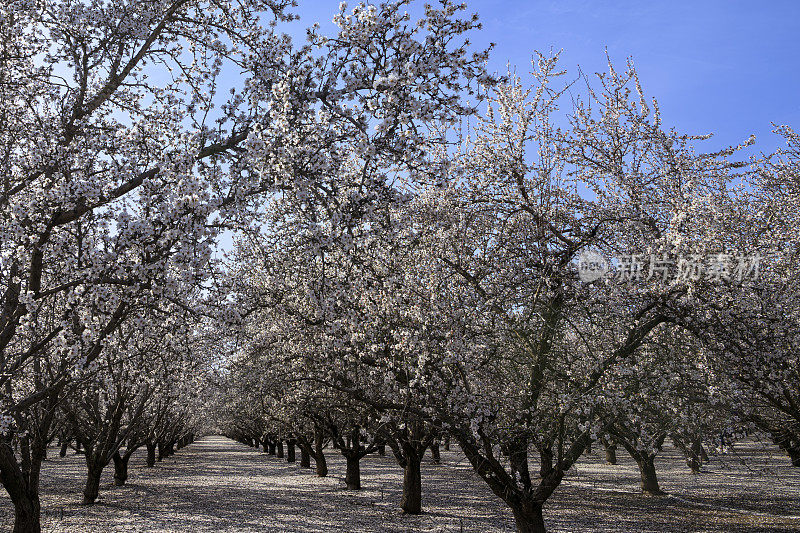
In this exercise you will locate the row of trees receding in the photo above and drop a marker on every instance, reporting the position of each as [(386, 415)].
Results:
[(398, 308), (404, 269)]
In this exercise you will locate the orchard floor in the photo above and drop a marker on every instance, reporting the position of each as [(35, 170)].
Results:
[(218, 485)]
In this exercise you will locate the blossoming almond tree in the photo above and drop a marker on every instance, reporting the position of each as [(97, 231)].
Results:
[(664, 390), (109, 408), (525, 199), (114, 123), (753, 326)]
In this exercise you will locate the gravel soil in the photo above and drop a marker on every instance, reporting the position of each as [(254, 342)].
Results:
[(217, 485)]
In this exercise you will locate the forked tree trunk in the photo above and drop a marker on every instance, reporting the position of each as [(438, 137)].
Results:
[(352, 477), (22, 487), (27, 514), (528, 518), (92, 488), (646, 463), (120, 469), (412, 485), (290, 451)]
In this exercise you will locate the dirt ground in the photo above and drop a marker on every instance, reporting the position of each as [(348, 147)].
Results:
[(219, 485)]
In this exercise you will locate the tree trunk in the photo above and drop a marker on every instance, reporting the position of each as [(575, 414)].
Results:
[(305, 457), (290, 451), (120, 469), (528, 518), (794, 455), (151, 454), (27, 514), (322, 463), (22, 488), (447, 443), (546, 465), (412, 485), (353, 476), (611, 452), (381, 450), (279, 450), (785, 443), (695, 456), (436, 457), (161, 452), (63, 451), (92, 488), (647, 472), (319, 457)]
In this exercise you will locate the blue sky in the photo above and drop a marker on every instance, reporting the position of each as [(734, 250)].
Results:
[(727, 67)]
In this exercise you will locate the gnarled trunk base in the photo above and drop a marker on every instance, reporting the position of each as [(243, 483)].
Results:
[(27, 514), (647, 473), (92, 489), (528, 519)]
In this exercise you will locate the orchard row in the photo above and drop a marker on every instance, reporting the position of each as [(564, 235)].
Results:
[(405, 229)]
